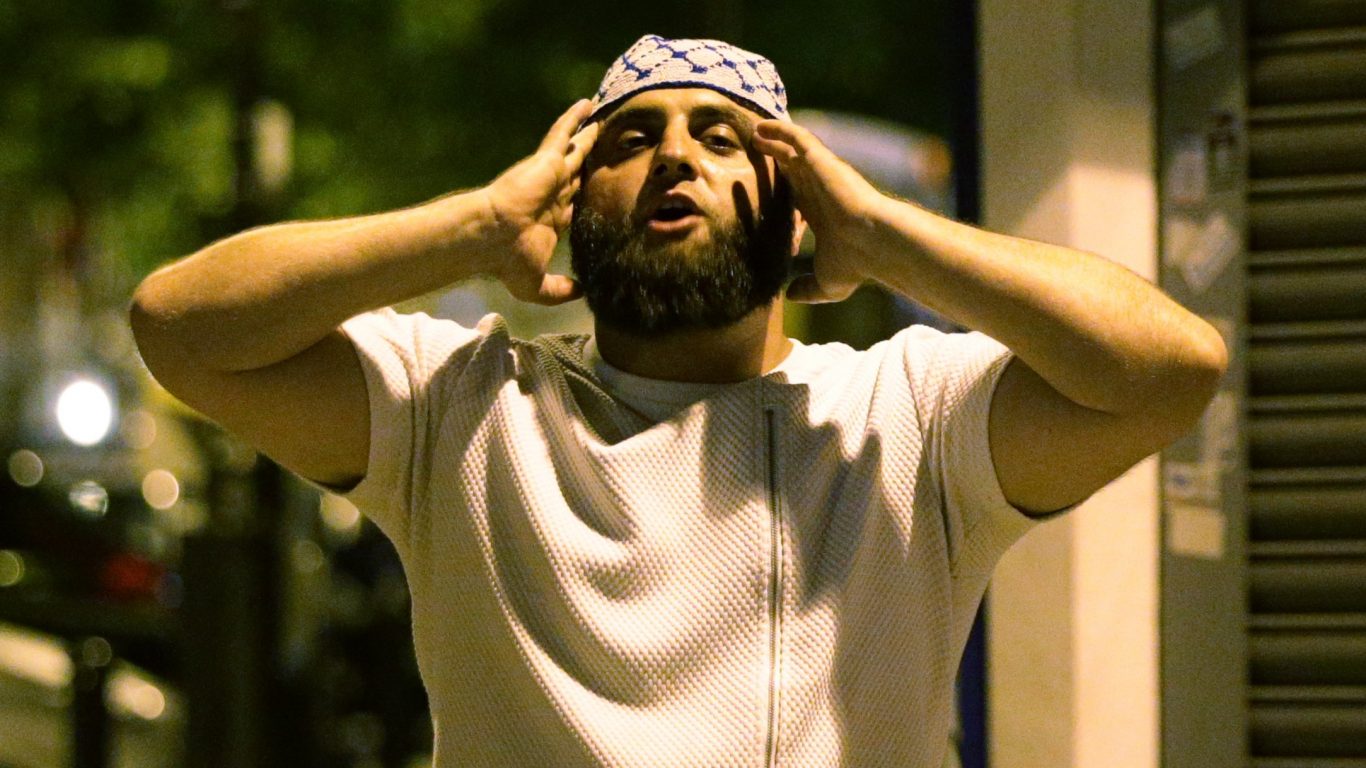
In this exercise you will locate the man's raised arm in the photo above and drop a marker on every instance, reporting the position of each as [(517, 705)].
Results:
[(1108, 369), (246, 330)]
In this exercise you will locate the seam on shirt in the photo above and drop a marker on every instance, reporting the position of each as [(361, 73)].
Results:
[(972, 544)]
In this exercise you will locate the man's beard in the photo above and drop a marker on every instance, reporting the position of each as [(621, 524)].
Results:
[(649, 290)]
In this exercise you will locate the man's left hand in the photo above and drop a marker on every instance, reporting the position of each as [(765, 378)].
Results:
[(838, 203)]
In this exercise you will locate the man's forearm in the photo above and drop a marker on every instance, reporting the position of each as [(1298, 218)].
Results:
[(1100, 335), (266, 294)]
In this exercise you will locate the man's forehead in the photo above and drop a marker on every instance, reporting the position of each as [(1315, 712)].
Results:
[(694, 102)]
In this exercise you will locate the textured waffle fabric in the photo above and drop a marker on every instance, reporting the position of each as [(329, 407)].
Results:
[(657, 62), (782, 571)]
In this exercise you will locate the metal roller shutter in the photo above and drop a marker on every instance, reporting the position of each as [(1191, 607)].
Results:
[(1307, 383)]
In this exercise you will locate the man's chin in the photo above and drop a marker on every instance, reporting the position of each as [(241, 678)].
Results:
[(681, 252)]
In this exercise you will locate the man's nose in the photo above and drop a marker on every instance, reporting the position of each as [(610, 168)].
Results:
[(675, 156)]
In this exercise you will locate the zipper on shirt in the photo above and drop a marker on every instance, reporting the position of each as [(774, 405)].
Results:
[(775, 585)]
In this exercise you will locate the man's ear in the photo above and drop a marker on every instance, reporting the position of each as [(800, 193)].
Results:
[(798, 231)]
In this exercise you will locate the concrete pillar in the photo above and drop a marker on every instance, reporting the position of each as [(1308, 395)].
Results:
[(1068, 132)]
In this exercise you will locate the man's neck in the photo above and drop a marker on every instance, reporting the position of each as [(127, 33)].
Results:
[(751, 347)]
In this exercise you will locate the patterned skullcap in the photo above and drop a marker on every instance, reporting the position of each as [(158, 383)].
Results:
[(657, 62)]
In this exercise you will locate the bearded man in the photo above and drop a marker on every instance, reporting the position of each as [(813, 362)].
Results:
[(686, 540)]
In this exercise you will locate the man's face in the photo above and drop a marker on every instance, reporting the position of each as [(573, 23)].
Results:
[(678, 223)]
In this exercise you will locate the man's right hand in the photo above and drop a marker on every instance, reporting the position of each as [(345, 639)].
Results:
[(531, 205), (246, 330)]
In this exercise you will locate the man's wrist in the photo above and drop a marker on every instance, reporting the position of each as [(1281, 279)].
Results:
[(465, 228), (885, 243)]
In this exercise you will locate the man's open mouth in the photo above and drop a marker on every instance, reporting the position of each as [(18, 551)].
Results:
[(676, 212), (673, 208), (671, 213)]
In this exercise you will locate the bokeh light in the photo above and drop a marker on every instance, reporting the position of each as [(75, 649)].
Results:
[(85, 411), (25, 468), (138, 429), (161, 489), (89, 497), (12, 568)]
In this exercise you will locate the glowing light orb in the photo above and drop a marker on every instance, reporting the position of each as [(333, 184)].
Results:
[(85, 412), (161, 489)]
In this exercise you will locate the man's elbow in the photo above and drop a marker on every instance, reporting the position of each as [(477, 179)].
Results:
[(160, 321), (173, 330), (1203, 364), (151, 325), (1209, 362)]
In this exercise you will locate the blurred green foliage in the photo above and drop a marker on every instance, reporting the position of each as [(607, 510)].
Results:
[(118, 117)]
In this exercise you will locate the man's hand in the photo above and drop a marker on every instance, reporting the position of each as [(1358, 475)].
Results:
[(837, 202), (1107, 369), (531, 205)]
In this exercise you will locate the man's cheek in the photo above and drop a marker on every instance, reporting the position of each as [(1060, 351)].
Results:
[(599, 196)]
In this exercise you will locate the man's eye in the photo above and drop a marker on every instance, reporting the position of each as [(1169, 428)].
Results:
[(632, 141), (720, 140)]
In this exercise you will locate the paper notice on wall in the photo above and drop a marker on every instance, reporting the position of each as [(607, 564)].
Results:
[(1194, 36), (1201, 481), (1188, 172), (1196, 530), (1203, 250)]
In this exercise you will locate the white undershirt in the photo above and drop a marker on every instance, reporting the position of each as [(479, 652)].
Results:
[(660, 399)]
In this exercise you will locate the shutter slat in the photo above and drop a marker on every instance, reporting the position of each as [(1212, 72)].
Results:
[(1320, 439), (1311, 184), (1333, 366), (1309, 694), (1308, 658), (1307, 512), (1309, 729), (1309, 548), (1308, 622), (1301, 761), (1311, 330), (1347, 258), (1332, 585), (1307, 292), (1273, 16), (1311, 146), (1298, 74), (1295, 221)]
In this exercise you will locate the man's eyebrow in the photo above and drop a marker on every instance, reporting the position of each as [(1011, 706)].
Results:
[(737, 118), (732, 115), (726, 112), (627, 115)]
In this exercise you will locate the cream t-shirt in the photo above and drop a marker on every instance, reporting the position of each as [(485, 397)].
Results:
[(614, 571)]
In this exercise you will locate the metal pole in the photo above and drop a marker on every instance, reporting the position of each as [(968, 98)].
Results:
[(91, 658)]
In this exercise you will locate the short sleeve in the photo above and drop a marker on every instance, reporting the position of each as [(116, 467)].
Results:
[(953, 379), (401, 355)]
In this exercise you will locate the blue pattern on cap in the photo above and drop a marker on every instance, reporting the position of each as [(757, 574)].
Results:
[(657, 62)]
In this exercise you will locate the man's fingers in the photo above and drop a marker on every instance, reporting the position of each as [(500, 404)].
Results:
[(558, 137), (776, 148), (791, 134), (579, 147), (564, 216), (557, 289), (806, 289), (567, 193)]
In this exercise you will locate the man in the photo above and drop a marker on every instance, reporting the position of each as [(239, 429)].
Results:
[(687, 540)]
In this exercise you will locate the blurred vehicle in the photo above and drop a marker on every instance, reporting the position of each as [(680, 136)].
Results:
[(146, 718)]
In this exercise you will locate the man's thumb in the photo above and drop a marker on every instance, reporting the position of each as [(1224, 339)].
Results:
[(557, 289), (806, 289)]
